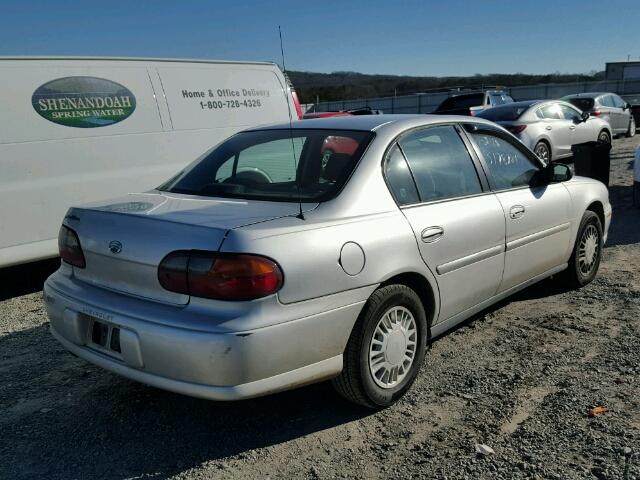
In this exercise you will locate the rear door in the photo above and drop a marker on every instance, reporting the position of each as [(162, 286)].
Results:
[(609, 112), (457, 222), (537, 217), (558, 128)]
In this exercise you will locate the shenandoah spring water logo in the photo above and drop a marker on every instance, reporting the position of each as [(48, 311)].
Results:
[(83, 102)]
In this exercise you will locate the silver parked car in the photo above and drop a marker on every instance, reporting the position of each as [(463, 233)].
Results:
[(268, 264), (610, 107), (549, 128)]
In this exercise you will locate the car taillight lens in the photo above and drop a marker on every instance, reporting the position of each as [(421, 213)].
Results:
[(221, 276), (296, 104), (595, 113), (516, 129), (69, 247)]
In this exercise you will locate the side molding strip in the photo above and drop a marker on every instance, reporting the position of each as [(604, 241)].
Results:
[(519, 242), (469, 259)]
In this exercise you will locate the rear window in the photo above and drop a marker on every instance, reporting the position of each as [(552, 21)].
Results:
[(584, 104), (499, 99), (503, 114), (462, 101), (278, 165)]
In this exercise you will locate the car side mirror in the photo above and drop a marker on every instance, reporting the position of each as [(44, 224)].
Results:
[(585, 116), (559, 172)]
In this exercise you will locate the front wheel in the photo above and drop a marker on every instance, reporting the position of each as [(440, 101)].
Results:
[(587, 251), (604, 137), (386, 348), (632, 127)]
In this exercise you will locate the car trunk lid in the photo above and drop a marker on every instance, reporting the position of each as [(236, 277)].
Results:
[(124, 240)]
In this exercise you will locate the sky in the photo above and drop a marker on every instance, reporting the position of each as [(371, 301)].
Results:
[(431, 38)]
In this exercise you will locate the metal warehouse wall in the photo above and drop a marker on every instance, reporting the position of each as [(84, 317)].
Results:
[(427, 102)]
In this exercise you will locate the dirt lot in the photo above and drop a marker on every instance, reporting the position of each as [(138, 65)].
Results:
[(519, 378)]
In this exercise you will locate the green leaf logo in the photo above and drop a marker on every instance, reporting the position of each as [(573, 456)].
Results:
[(83, 102)]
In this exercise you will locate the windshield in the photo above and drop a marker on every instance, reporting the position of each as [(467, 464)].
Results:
[(504, 114), (280, 165)]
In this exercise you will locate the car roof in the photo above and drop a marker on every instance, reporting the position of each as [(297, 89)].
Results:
[(369, 122), (587, 95), (522, 103)]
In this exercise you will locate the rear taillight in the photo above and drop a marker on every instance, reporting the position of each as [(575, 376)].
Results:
[(516, 129), (595, 113), (69, 247), (221, 276), (296, 104)]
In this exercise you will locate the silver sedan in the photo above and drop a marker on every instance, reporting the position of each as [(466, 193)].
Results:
[(551, 127), (331, 248)]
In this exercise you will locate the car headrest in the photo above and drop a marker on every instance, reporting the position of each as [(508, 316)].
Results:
[(335, 166)]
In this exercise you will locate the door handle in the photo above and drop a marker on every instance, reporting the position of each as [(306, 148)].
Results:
[(572, 127), (432, 234), (516, 211)]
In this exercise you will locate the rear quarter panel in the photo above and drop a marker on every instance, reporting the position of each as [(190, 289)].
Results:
[(309, 252)]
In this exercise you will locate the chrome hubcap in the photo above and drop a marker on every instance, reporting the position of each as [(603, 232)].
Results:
[(588, 250), (542, 151), (604, 138), (393, 347)]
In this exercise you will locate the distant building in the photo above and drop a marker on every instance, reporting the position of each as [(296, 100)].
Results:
[(623, 70)]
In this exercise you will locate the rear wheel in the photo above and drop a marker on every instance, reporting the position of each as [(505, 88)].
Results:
[(632, 127), (386, 348), (604, 137), (543, 151), (587, 251)]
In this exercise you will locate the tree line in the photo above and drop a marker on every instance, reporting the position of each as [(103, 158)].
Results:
[(312, 86)]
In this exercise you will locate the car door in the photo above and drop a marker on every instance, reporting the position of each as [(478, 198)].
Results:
[(458, 223), (537, 217), (580, 131), (609, 114), (558, 129), (622, 114)]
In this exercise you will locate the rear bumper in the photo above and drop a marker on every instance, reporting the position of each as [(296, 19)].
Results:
[(227, 365)]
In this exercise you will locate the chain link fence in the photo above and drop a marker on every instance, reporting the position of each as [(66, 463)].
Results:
[(427, 102)]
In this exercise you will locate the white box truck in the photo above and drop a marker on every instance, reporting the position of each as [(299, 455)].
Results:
[(74, 130)]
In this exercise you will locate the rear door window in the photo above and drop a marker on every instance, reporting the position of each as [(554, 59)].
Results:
[(617, 101), (399, 178), (607, 101), (440, 163)]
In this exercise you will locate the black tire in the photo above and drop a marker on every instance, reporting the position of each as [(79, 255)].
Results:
[(541, 147), (632, 127), (604, 137), (356, 382), (575, 276)]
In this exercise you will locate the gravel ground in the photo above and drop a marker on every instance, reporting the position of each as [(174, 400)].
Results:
[(520, 378)]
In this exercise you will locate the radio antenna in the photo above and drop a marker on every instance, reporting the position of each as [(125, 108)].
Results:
[(293, 146)]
